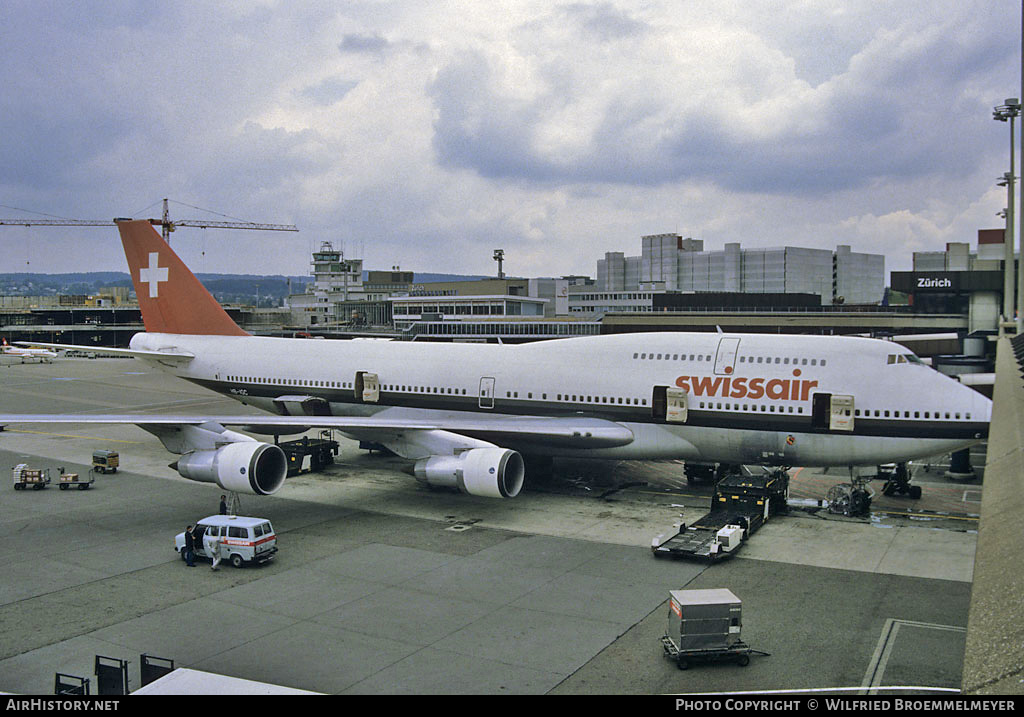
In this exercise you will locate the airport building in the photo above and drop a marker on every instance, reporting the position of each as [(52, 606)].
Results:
[(669, 262), (959, 281)]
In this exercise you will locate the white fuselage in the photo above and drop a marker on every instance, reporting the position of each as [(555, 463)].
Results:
[(750, 398)]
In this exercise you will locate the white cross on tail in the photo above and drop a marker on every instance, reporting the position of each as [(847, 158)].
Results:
[(153, 274)]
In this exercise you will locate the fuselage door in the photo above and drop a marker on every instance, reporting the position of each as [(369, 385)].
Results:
[(669, 404), (833, 412), (841, 418), (367, 387), (725, 361), (487, 392)]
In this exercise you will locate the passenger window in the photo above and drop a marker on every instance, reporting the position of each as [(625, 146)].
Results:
[(234, 532), (258, 530)]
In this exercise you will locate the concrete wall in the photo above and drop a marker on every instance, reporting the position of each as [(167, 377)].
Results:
[(993, 658)]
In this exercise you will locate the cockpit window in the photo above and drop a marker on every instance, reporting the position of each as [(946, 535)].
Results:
[(904, 358)]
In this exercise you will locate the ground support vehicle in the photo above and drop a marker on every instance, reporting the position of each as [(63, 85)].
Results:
[(321, 452), (897, 481), (741, 504), (104, 461), (243, 539), (34, 478)]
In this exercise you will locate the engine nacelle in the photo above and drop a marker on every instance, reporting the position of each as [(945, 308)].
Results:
[(243, 467), (487, 472)]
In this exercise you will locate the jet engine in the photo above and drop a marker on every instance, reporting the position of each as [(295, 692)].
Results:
[(243, 467), (487, 472)]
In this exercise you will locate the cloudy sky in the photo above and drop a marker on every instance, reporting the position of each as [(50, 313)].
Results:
[(426, 134)]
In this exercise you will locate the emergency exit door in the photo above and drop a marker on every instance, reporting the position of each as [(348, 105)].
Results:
[(486, 392), (725, 360)]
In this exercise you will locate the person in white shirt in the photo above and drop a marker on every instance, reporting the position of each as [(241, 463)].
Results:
[(211, 543)]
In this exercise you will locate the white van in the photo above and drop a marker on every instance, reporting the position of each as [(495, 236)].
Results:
[(242, 540)]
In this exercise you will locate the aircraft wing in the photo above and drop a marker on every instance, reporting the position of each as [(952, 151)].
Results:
[(556, 432), (171, 357)]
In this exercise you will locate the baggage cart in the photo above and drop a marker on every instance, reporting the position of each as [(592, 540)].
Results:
[(738, 652), (73, 480), (34, 478), (704, 625)]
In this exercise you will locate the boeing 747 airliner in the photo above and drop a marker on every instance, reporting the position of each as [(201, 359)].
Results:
[(465, 414)]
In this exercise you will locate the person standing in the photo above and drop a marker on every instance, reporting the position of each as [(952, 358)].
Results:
[(190, 547), (197, 538), (223, 505), (211, 542)]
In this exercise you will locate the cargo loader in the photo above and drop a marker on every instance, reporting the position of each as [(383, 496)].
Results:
[(740, 505)]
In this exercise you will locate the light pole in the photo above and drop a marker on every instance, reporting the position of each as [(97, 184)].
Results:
[(1009, 111)]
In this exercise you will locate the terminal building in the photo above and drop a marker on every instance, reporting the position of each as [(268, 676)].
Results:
[(669, 262), (959, 281)]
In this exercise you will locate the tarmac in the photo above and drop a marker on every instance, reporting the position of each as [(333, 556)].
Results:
[(382, 586)]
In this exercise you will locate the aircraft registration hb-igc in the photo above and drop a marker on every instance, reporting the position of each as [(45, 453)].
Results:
[(467, 414)]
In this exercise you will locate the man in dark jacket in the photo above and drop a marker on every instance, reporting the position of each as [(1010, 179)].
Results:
[(190, 547)]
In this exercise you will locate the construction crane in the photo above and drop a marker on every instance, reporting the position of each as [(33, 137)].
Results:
[(167, 226)]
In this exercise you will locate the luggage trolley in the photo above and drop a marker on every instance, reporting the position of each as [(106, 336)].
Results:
[(34, 478), (74, 480), (704, 625)]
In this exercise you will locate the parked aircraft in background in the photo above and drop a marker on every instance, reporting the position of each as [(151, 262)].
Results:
[(465, 415), (27, 354)]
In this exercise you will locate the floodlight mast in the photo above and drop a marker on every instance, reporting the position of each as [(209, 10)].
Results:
[(1009, 110)]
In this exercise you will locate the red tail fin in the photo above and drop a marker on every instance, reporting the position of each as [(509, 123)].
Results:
[(170, 296)]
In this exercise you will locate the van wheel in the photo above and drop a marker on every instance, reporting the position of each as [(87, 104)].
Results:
[(236, 560), (182, 552)]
